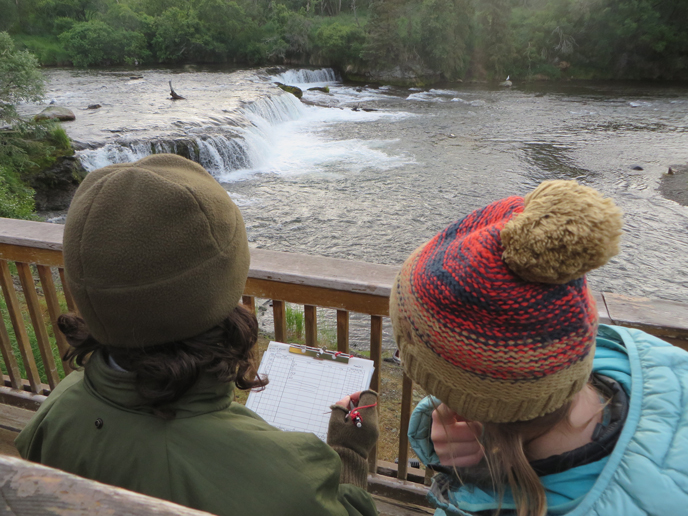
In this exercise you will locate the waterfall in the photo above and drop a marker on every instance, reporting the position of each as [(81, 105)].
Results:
[(306, 76), (240, 141)]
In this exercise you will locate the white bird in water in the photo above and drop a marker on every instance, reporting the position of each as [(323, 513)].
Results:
[(506, 83)]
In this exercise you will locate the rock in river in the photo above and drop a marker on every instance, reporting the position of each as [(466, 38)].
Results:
[(55, 113), (674, 184), (297, 92)]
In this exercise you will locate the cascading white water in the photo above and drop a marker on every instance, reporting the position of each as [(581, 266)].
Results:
[(307, 76), (239, 142)]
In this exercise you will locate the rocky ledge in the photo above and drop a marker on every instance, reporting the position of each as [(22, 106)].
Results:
[(55, 186)]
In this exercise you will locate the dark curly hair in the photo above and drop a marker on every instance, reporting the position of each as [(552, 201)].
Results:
[(165, 372)]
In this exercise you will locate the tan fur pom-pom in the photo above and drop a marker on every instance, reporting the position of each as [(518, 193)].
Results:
[(565, 230)]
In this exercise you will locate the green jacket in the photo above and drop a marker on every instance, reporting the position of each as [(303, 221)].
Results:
[(215, 456)]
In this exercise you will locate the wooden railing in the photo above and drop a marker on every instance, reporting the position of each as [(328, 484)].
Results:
[(343, 285), (29, 489)]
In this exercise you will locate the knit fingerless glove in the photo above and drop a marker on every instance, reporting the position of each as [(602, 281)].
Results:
[(353, 442)]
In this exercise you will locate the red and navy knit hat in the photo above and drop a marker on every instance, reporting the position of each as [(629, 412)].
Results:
[(493, 315)]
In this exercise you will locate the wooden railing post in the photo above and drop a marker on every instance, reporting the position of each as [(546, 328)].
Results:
[(249, 303), (9, 358), (376, 357), (406, 401), (19, 328), (310, 316), (46, 276), (44, 347), (279, 314), (71, 305), (343, 331)]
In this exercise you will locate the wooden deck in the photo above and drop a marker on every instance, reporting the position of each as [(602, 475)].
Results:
[(35, 249)]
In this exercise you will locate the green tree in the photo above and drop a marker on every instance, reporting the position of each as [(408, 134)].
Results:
[(383, 47), (340, 44), (445, 27), (20, 78), (494, 18), (97, 43)]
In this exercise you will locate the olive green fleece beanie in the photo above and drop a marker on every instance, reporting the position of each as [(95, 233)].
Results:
[(155, 251)]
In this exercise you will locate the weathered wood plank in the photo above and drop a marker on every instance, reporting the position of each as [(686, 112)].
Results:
[(23, 398), (14, 418), (41, 235), (54, 310), (30, 489), (19, 328), (7, 446), (279, 314), (310, 317), (15, 253), (390, 469), (71, 305), (318, 271), (343, 331), (42, 339), (8, 357), (406, 402), (305, 295), (400, 490), (659, 317)]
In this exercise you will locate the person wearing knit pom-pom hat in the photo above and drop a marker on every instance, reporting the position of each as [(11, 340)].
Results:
[(156, 258), (535, 408)]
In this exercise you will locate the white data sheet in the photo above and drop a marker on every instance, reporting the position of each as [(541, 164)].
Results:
[(302, 388)]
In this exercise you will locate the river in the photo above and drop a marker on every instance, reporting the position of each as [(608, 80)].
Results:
[(373, 185)]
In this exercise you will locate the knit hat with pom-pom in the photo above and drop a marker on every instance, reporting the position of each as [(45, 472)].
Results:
[(493, 316)]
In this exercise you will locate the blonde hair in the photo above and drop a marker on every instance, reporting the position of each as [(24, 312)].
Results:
[(504, 446)]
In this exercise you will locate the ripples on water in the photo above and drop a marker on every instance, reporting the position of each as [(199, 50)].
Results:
[(374, 185)]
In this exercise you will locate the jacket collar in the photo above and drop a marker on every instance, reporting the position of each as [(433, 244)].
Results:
[(118, 389)]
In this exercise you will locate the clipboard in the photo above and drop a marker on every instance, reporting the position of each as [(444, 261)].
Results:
[(304, 383)]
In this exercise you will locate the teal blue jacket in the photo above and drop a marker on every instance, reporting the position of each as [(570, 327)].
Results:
[(646, 474)]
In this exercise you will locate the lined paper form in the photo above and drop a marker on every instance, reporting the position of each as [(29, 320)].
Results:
[(302, 388)]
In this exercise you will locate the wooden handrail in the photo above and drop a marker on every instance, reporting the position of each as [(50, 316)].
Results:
[(29, 489), (312, 281)]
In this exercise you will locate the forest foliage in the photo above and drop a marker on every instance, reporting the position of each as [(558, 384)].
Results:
[(479, 39), (26, 146)]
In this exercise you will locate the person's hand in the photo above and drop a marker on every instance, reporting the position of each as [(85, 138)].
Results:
[(347, 400), (455, 439), (352, 434), (354, 429)]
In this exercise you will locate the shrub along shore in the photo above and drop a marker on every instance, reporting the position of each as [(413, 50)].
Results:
[(402, 41)]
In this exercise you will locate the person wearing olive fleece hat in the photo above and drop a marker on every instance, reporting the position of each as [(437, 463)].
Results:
[(535, 408), (156, 258)]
